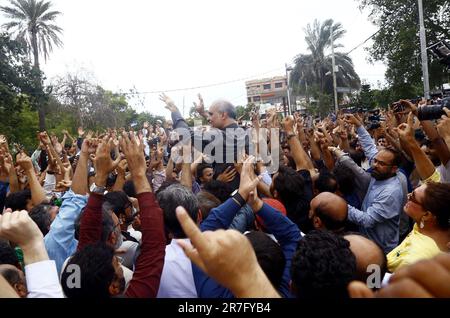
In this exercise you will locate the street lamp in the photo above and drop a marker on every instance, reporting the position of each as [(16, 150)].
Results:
[(288, 70)]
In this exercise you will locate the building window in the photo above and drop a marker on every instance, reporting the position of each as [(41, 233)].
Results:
[(249, 99), (256, 98), (278, 85), (266, 86)]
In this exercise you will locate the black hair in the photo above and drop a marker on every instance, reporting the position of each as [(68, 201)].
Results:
[(345, 179), (436, 200), (11, 275), (172, 197), (8, 254), (200, 168), (165, 185), (270, 256), (322, 266), (207, 202), (107, 222), (290, 187), (221, 190), (291, 162), (118, 200), (129, 189), (17, 201), (95, 263), (326, 182), (40, 214)]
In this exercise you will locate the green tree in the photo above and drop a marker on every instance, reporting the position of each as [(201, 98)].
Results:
[(312, 72), (398, 44), (32, 23), (16, 90)]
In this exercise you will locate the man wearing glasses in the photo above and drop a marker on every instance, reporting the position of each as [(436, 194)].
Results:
[(379, 216)]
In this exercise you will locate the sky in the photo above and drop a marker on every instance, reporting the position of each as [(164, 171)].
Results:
[(155, 46)]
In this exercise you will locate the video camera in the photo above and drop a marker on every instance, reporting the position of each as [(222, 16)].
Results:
[(435, 111)]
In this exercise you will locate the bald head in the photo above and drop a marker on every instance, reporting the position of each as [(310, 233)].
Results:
[(15, 278), (329, 212), (366, 252)]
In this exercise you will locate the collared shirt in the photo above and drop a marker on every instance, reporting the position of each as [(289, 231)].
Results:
[(379, 217), (42, 280), (60, 241), (177, 280)]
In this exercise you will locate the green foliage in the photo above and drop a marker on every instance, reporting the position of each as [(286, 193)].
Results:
[(398, 43), (314, 69)]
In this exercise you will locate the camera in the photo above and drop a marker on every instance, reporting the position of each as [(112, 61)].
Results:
[(373, 125), (154, 141), (435, 111)]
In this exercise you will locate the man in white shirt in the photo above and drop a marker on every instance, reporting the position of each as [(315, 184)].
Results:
[(41, 275), (177, 280)]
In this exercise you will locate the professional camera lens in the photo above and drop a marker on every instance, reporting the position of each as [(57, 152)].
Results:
[(435, 111)]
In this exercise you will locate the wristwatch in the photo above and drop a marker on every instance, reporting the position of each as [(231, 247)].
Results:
[(97, 189), (238, 198), (290, 136)]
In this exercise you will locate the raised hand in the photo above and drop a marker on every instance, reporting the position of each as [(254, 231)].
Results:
[(25, 162), (444, 125), (44, 138), (249, 181), (288, 124), (352, 119), (89, 146), (170, 105), (200, 107), (102, 160), (134, 153), (406, 131), (80, 131), (19, 228), (122, 167), (228, 175)]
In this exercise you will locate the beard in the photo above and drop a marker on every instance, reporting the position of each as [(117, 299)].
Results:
[(381, 176)]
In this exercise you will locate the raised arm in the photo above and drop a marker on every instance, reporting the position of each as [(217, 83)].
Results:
[(367, 143), (424, 166), (302, 160), (37, 191), (149, 264)]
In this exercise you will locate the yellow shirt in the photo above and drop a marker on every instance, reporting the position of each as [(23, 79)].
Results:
[(414, 247), (435, 177)]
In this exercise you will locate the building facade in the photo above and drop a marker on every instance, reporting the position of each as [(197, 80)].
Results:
[(267, 91)]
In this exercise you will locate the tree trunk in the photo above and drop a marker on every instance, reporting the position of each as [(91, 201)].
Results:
[(41, 113), (38, 82)]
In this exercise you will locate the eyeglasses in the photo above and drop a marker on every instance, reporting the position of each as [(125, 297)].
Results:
[(412, 198), (381, 163)]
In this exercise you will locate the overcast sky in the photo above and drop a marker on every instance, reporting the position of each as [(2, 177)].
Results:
[(172, 44)]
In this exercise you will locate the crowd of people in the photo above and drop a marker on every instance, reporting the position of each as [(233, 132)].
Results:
[(287, 207)]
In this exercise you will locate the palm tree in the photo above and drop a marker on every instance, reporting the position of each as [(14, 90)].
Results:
[(314, 69), (31, 22)]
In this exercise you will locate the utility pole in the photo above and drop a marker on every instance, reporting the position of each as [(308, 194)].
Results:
[(288, 69), (333, 63), (423, 49)]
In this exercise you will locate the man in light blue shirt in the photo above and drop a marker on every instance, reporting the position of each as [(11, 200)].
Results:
[(383, 203), (60, 241)]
